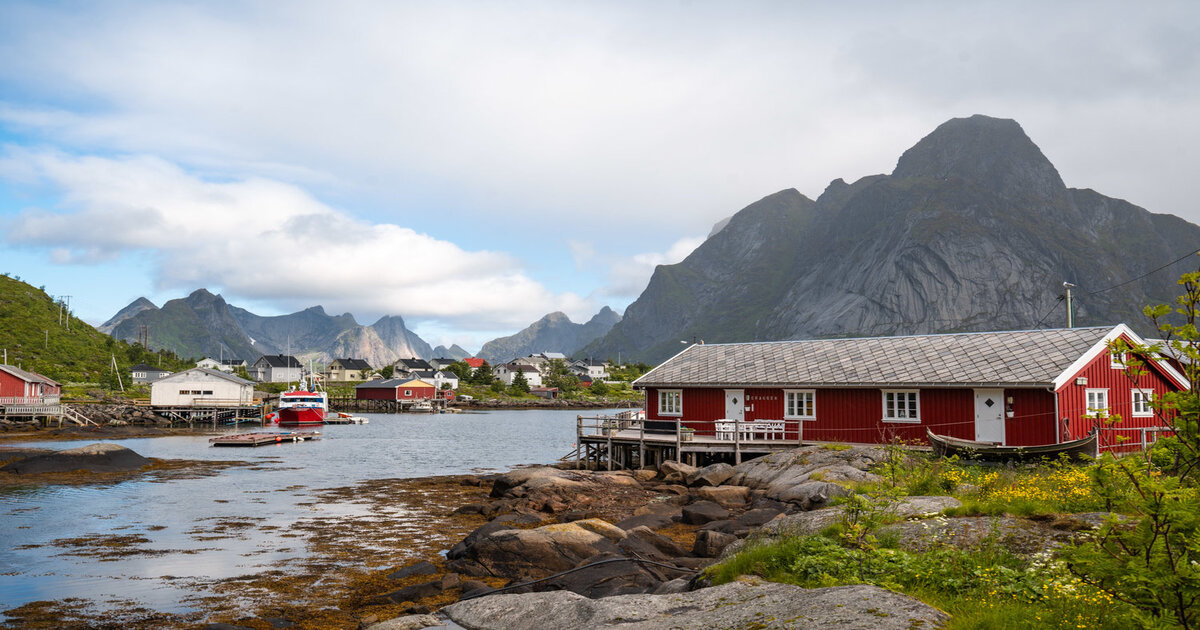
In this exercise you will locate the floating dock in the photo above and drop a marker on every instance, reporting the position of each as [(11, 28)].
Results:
[(263, 438), (340, 419)]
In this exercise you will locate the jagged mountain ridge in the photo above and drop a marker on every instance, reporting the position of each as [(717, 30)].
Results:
[(553, 333), (973, 230), (203, 324)]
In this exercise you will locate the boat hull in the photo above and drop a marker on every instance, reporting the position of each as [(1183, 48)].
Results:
[(296, 416), (945, 446)]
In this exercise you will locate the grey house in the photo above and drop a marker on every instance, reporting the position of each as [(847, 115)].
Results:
[(144, 373), (276, 368)]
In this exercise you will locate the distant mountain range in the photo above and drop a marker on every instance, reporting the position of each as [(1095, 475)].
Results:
[(974, 230), (203, 324), (552, 333)]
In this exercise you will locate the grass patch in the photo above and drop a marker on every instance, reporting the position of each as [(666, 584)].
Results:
[(986, 587)]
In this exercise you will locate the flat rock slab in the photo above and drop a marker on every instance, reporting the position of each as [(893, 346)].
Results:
[(99, 457), (733, 605)]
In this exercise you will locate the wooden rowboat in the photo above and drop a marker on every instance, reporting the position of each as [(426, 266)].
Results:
[(945, 446)]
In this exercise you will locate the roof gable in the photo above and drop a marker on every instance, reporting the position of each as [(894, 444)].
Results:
[(352, 364), (193, 373), (279, 360), (27, 376), (1014, 358)]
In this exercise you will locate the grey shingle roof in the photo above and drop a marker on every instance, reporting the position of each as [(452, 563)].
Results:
[(280, 360), (1016, 358), (353, 364)]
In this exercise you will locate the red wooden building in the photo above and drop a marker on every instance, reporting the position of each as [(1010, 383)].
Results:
[(18, 383), (1020, 388), (400, 389)]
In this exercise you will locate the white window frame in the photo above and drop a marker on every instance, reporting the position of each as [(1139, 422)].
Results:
[(1099, 395), (667, 395), (408, 393), (889, 415), (1116, 360), (1140, 402), (795, 395)]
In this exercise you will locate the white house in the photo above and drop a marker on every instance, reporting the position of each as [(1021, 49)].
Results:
[(209, 363), (590, 367), (508, 371), (443, 377), (201, 387)]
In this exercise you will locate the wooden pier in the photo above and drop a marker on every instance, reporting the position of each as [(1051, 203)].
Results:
[(265, 437), (625, 441), (214, 415)]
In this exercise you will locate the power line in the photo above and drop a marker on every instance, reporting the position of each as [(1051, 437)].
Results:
[(1185, 256), (1052, 309)]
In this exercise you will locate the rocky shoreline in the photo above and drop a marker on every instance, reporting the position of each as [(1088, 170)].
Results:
[(556, 547)]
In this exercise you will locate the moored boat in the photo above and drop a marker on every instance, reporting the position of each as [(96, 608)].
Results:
[(946, 446), (305, 405)]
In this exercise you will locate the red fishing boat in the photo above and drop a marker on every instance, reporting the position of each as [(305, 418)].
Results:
[(305, 405)]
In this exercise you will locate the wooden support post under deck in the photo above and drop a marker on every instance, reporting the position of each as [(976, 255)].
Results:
[(578, 440), (737, 441), (679, 440)]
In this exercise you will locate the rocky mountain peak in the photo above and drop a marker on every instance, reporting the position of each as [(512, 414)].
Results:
[(203, 296), (992, 152)]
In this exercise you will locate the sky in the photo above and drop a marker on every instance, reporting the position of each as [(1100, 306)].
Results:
[(473, 166)]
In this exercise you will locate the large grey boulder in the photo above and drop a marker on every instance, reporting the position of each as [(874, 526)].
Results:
[(735, 605), (675, 472), (536, 478), (96, 458), (812, 522), (526, 553), (808, 476), (713, 475)]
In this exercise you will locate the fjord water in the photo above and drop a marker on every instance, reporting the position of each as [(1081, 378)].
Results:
[(172, 515)]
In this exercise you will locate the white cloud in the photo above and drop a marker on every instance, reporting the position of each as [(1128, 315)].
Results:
[(628, 277), (662, 113), (269, 241)]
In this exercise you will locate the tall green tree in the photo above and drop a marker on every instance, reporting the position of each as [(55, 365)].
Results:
[(520, 384), (1151, 557), (482, 375)]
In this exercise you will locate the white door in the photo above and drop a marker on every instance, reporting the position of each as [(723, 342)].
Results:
[(735, 405), (989, 415)]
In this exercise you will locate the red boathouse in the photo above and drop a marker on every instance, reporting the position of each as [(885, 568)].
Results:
[(1019, 388), (23, 386), (395, 389)]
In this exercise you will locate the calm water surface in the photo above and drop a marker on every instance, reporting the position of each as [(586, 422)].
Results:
[(172, 515)]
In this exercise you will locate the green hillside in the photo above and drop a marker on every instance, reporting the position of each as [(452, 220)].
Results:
[(34, 340)]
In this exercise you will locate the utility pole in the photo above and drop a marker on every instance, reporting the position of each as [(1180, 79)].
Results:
[(68, 298), (1070, 315)]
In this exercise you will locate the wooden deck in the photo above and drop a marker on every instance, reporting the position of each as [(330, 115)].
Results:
[(265, 437), (624, 441)]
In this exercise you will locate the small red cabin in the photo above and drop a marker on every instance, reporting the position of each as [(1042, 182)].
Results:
[(395, 389), (1020, 388), (18, 383)]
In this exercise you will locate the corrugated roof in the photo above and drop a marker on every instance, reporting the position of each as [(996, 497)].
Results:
[(1017, 358)]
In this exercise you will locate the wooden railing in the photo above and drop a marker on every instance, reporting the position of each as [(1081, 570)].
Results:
[(30, 400)]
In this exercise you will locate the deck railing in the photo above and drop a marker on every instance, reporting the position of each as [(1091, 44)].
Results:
[(30, 400)]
